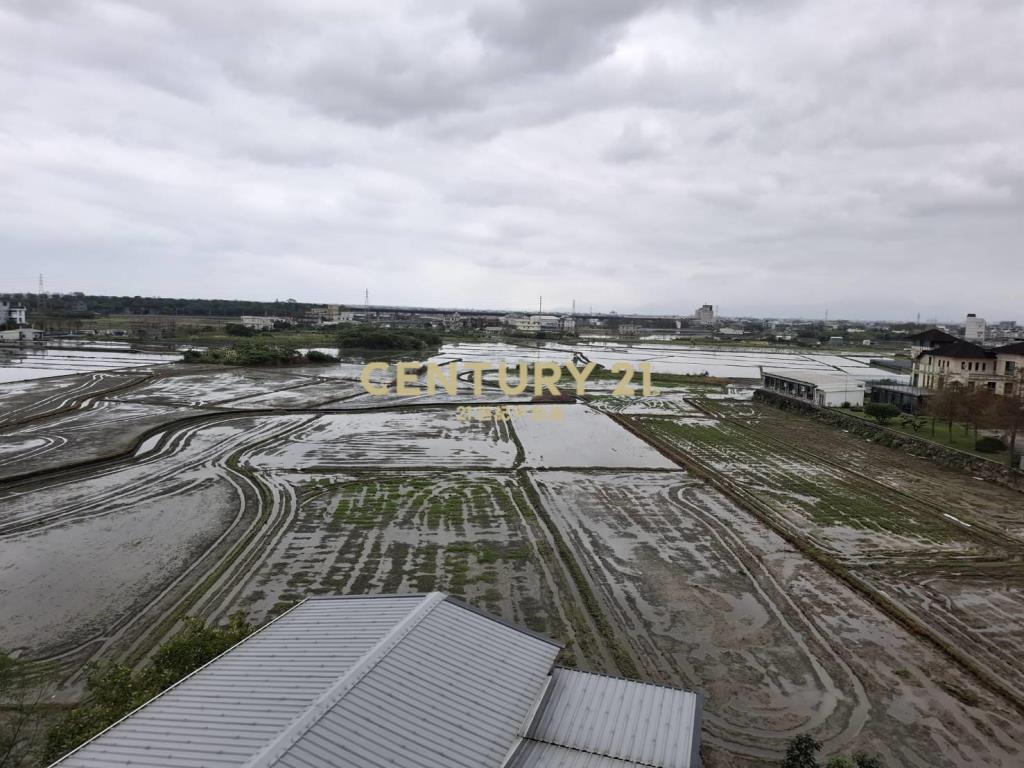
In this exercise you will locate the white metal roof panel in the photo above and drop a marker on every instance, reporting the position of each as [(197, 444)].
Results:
[(398, 681), (230, 709), (536, 754), (417, 707), (652, 725)]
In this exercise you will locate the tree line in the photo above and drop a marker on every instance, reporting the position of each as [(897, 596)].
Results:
[(973, 408)]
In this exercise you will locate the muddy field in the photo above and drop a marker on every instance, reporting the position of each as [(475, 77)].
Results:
[(177, 491), (708, 598)]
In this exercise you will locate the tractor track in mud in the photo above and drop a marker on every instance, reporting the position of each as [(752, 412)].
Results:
[(988, 678), (264, 511), (977, 529)]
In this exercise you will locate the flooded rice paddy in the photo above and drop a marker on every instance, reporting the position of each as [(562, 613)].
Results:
[(132, 500)]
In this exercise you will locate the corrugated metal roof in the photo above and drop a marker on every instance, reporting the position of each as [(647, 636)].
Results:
[(464, 706), (228, 710), (398, 680), (650, 725), (536, 754), (420, 680)]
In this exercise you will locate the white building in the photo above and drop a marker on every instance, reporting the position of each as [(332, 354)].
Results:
[(704, 314), (260, 323), (823, 388), (12, 314), (533, 323), (974, 329), (331, 314), (21, 334)]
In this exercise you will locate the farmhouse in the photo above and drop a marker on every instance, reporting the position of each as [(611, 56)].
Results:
[(21, 334), (819, 387), (11, 314), (422, 681)]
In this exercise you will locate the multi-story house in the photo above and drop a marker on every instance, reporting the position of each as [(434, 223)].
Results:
[(1010, 364), (964, 364)]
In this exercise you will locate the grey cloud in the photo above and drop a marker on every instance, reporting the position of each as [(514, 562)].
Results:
[(648, 154)]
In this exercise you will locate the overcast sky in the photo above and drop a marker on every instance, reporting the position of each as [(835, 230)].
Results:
[(772, 157)]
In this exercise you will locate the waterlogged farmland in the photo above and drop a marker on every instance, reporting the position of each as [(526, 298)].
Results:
[(673, 537)]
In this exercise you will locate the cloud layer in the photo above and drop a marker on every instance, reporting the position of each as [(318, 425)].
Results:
[(777, 158)]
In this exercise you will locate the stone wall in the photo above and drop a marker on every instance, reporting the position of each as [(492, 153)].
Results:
[(946, 456)]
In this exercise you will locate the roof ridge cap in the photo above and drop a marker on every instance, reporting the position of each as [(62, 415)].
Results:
[(312, 714)]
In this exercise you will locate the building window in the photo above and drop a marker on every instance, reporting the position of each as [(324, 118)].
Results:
[(1008, 388)]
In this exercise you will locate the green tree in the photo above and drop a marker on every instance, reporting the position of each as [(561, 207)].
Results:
[(113, 690), (1007, 413), (881, 412), (945, 406), (801, 753), (863, 760), (19, 721)]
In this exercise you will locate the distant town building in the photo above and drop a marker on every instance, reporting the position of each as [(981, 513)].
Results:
[(821, 388), (21, 334), (261, 323), (330, 314), (400, 680), (974, 329), (533, 323), (704, 315), (12, 314)]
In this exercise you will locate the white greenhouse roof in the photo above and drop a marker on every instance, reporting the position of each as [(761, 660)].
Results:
[(422, 681)]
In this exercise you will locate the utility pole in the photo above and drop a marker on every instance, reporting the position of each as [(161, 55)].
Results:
[(540, 306)]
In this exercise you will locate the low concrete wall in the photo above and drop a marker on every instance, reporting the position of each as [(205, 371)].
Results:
[(951, 458)]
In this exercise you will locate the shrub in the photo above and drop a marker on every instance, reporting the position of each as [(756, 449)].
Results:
[(316, 356), (989, 445), (366, 337), (881, 412), (114, 690), (237, 329), (801, 753)]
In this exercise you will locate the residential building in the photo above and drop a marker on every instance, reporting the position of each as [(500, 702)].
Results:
[(400, 680), (1010, 365), (958, 364), (930, 339), (822, 388), (704, 315), (974, 329), (12, 314), (261, 323)]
